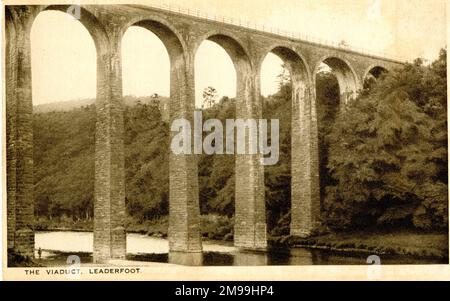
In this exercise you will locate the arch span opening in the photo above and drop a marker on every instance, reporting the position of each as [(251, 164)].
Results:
[(181, 201), (64, 84), (216, 92), (242, 69), (146, 97), (373, 75), (236, 180), (346, 77), (215, 75), (89, 21), (329, 101), (336, 85), (289, 81)]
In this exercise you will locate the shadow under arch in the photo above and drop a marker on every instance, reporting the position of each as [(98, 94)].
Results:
[(375, 71), (372, 74), (345, 75)]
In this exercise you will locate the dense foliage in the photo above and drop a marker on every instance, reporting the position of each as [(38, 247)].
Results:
[(383, 159), (64, 145), (388, 153), (146, 162), (64, 150)]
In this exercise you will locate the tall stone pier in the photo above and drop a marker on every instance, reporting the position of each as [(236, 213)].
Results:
[(109, 205), (19, 131), (250, 211)]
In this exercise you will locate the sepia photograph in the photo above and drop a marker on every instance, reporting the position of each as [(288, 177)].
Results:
[(155, 137)]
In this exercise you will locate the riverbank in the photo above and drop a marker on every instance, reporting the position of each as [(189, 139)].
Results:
[(408, 243), (220, 228), (57, 246)]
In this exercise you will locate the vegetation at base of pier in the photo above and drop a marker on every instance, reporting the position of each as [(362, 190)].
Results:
[(383, 161), (16, 259)]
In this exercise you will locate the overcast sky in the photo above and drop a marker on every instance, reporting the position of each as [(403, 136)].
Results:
[(64, 60)]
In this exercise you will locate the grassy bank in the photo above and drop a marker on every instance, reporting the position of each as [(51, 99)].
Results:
[(432, 245)]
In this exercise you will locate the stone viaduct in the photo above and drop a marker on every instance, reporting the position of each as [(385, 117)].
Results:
[(182, 34)]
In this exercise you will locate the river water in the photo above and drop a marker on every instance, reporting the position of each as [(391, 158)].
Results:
[(56, 246)]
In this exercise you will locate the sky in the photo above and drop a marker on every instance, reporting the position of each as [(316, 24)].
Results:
[(64, 59)]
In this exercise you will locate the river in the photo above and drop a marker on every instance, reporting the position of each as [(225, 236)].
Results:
[(56, 246)]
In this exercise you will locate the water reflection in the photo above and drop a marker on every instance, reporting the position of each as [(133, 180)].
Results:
[(246, 258), (191, 259), (214, 259), (291, 257)]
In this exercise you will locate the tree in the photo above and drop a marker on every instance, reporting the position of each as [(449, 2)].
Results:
[(209, 97), (343, 44), (388, 150), (328, 104), (284, 81)]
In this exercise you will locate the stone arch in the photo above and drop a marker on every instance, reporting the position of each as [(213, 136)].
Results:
[(168, 35), (372, 74), (242, 65), (175, 48), (232, 44), (238, 54), (375, 70), (235, 50), (87, 28), (89, 21), (345, 74), (298, 69), (295, 61)]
